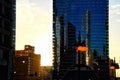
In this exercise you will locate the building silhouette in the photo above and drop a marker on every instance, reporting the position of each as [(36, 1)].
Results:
[(90, 19), (113, 66), (7, 38), (27, 64), (63, 60), (59, 45)]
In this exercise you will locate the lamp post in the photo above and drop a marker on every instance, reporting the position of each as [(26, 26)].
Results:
[(79, 50)]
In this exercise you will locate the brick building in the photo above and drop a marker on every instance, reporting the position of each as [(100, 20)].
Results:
[(26, 64)]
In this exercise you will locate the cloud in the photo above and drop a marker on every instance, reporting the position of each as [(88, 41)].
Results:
[(114, 14), (118, 20), (30, 13), (32, 21), (32, 17), (115, 6), (115, 9)]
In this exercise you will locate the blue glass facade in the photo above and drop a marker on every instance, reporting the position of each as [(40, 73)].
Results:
[(74, 11)]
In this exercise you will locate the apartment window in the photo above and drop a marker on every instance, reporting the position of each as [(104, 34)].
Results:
[(0, 21), (7, 12), (1, 38), (7, 40), (1, 54), (0, 8), (7, 25), (8, 1), (5, 54)]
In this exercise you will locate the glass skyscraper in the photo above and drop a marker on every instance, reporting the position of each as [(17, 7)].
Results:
[(7, 38), (90, 19)]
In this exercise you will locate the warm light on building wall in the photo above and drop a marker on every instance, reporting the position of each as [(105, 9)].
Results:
[(81, 48), (112, 67)]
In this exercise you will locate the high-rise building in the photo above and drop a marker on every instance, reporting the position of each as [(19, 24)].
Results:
[(90, 18), (7, 38), (62, 60)]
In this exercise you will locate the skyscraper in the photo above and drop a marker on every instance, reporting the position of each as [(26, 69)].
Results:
[(90, 18), (7, 38)]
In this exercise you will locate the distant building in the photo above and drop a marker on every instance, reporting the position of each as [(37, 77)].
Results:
[(45, 73), (26, 64), (64, 53), (113, 66), (7, 38)]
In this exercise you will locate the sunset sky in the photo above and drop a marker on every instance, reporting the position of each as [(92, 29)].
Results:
[(34, 27)]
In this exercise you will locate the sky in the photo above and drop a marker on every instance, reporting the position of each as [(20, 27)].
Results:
[(34, 27), (114, 28), (114, 31)]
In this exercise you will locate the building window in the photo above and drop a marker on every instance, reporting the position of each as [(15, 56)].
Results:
[(8, 1), (0, 8), (26, 51), (1, 54), (7, 25), (7, 40), (26, 47), (1, 38), (1, 21), (7, 12), (14, 72)]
